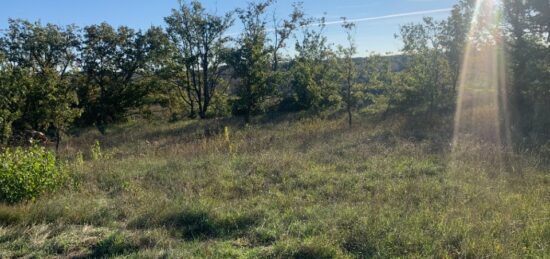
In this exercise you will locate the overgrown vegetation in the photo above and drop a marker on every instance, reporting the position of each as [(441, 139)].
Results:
[(300, 187), (54, 78), (336, 156)]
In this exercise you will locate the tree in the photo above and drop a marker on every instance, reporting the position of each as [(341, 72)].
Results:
[(199, 39), (540, 17), (527, 27), (348, 69), (430, 83), (250, 60), (455, 36), (114, 63), (383, 85), (41, 58), (313, 72), (283, 30), (13, 86)]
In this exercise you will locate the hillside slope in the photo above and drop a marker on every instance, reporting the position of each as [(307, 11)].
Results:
[(302, 188)]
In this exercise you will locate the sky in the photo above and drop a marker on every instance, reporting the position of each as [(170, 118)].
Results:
[(377, 20)]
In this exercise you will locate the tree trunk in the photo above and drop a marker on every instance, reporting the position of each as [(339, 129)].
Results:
[(57, 139), (247, 115), (100, 126), (192, 113), (205, 83), (202, 114)]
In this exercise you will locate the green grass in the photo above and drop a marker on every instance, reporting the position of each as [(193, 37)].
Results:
[(293, 188)]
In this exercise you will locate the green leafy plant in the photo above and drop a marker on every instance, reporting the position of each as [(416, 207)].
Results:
[(27, 173), (96, 151)]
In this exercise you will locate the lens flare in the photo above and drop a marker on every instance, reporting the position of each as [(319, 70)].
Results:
[(481, 122)]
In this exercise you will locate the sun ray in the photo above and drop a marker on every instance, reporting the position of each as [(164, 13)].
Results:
[(481, 114)]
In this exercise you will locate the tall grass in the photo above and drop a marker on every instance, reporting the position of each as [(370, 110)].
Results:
[(300, 187)]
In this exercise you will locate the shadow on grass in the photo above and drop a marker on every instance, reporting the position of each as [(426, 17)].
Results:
[(198, 224), (113, 245), (191, 224)]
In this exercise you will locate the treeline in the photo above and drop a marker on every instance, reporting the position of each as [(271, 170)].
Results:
[(55, 77)]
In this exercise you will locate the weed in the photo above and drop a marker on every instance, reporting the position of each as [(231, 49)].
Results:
[(95, 150)]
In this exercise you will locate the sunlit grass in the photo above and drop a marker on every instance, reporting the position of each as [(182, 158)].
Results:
[(298, 188)]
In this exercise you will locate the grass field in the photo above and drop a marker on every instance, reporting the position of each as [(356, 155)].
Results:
[(290, 188)]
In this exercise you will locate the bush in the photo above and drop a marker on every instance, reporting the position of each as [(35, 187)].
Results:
[(27, 173)]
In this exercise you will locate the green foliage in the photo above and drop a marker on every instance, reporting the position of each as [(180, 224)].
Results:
[(13, 86), (428, 75), (115, 63), (529, 94), (199, 41), (302, 188), (27, 173), (455, 36), (384, 89), (313, 73), (351, 90), (52, 76), (39, 59), (220, 104), (251, 61)]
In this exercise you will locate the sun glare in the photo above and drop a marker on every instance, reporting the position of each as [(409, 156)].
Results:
[(481, 114)]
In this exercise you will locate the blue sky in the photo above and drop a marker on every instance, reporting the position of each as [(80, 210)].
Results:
[(371, 35)]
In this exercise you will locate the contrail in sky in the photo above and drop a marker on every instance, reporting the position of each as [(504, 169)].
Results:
[(388, 16), (375, 18)]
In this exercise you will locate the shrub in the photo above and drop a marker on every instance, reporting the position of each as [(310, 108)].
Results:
[(27, 173)]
